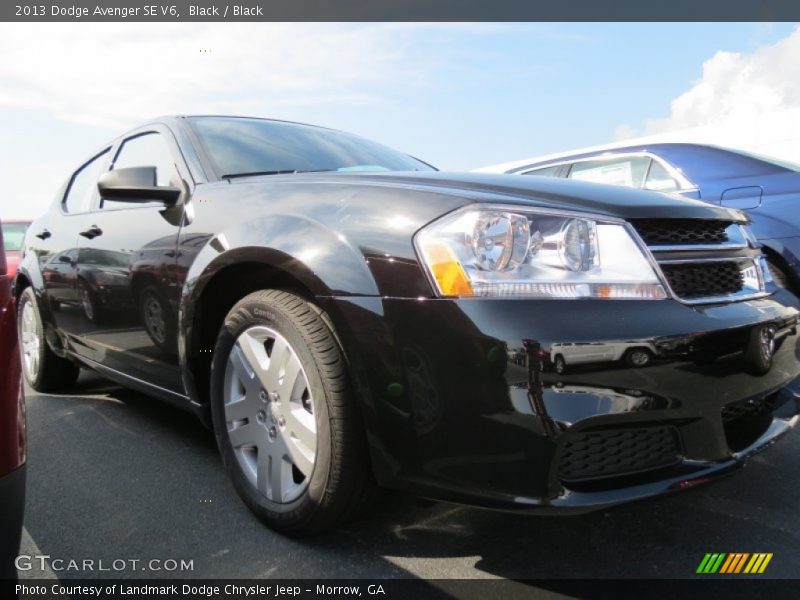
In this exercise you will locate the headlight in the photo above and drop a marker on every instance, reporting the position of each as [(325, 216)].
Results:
[(511, 252)]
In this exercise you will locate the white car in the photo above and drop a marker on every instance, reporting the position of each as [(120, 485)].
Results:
[(635, 354)]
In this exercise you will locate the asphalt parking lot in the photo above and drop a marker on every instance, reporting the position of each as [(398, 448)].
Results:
[(115, 475)]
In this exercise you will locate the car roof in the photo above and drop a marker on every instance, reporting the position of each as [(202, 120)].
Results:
[(698, 162)]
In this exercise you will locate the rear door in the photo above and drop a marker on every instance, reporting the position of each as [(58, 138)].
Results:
[(54, 240)]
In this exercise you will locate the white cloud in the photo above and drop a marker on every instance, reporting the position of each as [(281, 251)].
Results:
[(115, 75), (109, 77), (734, 86)]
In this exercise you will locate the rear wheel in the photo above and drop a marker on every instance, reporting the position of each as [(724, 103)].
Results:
[(44, 370), (284, 414), (158, 319), (638, 357), (89, 303), (559, 364)]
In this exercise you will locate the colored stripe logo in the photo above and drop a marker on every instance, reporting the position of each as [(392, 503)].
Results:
[(734, 562)]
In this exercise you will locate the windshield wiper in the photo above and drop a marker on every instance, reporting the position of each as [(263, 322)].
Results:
[(276, 172), (256, 173)]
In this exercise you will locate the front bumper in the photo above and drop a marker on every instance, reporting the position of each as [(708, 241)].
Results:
[(460, 404)]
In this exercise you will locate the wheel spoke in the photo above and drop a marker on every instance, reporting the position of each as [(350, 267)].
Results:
[(288, 379), (245, 408), (245, 370), (271, 378), (263, 469), (301, 439), (246, 435), (272, 476)]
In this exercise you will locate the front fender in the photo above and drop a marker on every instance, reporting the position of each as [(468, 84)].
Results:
[(322, 260)]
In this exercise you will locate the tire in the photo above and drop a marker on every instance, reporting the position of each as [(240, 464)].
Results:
[(638, 357), (277, 420), (760, 350), (44, 370), (89, 303), (560, 365), (158, 319)]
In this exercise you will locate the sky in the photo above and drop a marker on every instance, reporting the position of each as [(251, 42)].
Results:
[(459, 96)]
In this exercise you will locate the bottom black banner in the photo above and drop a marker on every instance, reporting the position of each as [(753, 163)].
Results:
[(391, 589)]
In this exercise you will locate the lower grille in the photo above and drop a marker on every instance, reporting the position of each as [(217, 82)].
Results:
[(613, 453), (748, 409), (704, 280)]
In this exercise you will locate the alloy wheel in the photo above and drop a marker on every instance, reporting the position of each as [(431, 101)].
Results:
[(766, 339), (30, 340), (154, 318), (269, 414), (86, 301)]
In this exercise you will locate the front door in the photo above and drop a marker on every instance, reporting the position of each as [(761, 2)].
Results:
[(124, 256)]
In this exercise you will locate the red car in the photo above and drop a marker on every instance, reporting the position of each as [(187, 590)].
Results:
[(12, 428), (13, 235)]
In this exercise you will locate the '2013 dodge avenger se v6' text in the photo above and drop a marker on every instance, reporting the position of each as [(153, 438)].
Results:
[(344, 315)]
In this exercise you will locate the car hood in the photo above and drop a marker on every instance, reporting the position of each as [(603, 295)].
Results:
[(561, 194)]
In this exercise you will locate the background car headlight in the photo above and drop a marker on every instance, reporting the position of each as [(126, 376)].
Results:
[(511, 252)]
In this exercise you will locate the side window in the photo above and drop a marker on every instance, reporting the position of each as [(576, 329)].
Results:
[(659, 179), (628, 171), (544, 171), (83, 187), (148, 150)]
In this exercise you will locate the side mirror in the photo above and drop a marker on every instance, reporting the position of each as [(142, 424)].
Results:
[(65, 259), (135, 185)]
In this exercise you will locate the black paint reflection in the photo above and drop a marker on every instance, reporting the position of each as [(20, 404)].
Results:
[(467, 401)]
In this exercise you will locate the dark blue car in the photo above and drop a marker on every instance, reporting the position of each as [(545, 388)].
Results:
[(768, 190)]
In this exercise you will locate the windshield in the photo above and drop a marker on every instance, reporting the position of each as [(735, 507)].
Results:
[(13, 234), (242, 146)]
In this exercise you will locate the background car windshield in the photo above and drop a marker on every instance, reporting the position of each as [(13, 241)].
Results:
[(13, 234), (239, 146)]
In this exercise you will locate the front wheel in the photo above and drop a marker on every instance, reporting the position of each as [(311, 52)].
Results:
[(560, 365), (284, 415), (44, 370)]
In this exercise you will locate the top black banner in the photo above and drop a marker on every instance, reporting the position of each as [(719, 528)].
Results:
[(402, 10)]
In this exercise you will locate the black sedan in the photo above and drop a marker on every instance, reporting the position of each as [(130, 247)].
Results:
[(343, 316)]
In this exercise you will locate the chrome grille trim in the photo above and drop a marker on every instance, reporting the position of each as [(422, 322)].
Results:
[(725, 252)]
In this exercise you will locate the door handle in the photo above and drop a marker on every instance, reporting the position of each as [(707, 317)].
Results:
[(92, 232), (43, 234)]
